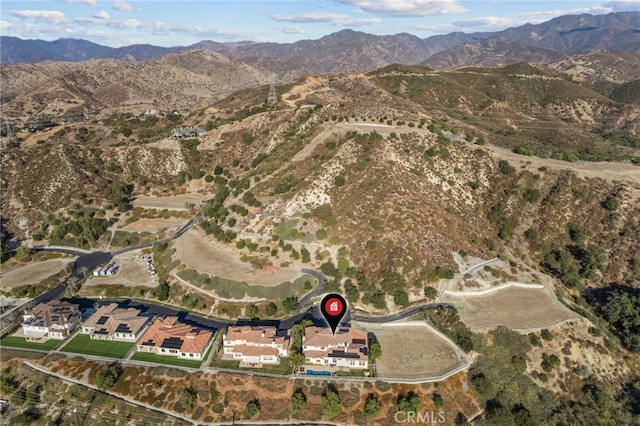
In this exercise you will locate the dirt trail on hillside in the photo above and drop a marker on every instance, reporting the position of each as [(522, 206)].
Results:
[(623, 172)]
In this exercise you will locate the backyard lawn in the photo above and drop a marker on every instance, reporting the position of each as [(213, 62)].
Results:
[(282, 368), (20, 342), (165, 359), (82, 344)]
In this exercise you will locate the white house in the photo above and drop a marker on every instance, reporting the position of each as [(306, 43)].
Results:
[(254, 345), (348, 348), (110, 322), (50, 320), (166, 336)]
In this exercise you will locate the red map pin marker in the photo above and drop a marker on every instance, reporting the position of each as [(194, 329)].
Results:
[(333, 308)]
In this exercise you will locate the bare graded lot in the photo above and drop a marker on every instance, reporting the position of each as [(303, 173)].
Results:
[(513, 307), (33, 273), (174, 202), (153, 225), (215, 259), (132, 272), (411, 351)]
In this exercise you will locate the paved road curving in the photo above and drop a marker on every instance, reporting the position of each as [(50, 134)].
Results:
[(88, 261)]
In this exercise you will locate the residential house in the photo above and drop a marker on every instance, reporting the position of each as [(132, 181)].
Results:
[(110, 322), (188, 132), (167, 336), (255, 345), (348, 348), (51, 320)]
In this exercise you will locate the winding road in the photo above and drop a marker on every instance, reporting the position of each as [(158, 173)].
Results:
[(87, 261)]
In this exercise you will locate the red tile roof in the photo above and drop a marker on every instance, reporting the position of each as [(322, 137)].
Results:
[(194, 340)]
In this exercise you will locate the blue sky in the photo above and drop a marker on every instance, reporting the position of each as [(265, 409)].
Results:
[(177, 23)]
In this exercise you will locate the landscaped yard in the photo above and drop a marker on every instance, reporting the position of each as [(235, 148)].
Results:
[(164, 359), (20, 342), (282, 368), (82, 344)]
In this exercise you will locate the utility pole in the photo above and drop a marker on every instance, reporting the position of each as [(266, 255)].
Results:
[(272, 98), (75, 412), (11, 139)]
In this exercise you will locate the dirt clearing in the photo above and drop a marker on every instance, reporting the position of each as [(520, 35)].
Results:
[(174, 202), (154, 225), (32, 274), (215, 259), (604, 170), (512, 307), (411, 351), (132, 272)]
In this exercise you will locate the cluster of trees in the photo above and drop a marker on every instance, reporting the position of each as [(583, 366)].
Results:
[(573, 263), (121, 195), (620, 307), (85, 229), (107, 376), (509, 396)]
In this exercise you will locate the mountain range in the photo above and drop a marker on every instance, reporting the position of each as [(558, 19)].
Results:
[(349, 51)]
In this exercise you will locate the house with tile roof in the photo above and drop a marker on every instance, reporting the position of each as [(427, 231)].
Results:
[(50, 320), (348, 348), (167, 336), (110, 322), (255, 345)]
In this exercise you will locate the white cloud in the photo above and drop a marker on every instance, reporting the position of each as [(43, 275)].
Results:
[(359, 22), (28, 30), (87, 2), (623, 5), (122, 6), (101, 15), (112, 23), (487, 22), (336, 19), (310, 17), (292, 29), (49, 16), (407, 8), (125, 23)]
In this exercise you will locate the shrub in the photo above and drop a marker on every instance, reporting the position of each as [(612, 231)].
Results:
[(252, 408), (107, 376), (373, 407), (298, 402), (330, 403)]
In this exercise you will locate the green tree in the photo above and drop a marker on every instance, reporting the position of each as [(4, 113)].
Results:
[(271, 309), (162, 291), (372, 407), (252, 408), (330, 403), (214, 393), (306, 256), (438, 401), (409, 403), (506, 168), (107, 376), (188, 397), (289, 304), (251, 311), (430, 293), (546, 334), (375, 350), (298, 402), (24, 253), (401, 298)]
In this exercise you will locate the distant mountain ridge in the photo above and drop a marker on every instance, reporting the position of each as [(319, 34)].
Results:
[(349, 50)]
